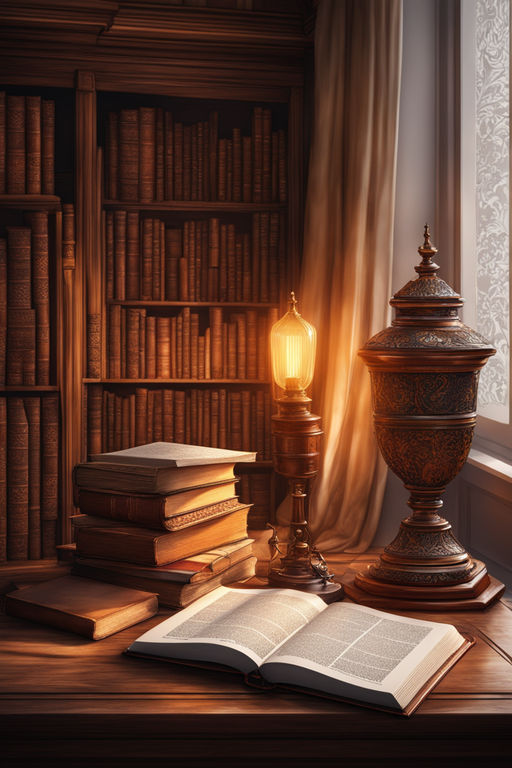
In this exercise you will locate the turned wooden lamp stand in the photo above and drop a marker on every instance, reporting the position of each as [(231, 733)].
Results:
[(296, 437), (424, 375)]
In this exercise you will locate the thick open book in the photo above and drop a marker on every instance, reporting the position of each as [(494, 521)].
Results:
[(287, 637)]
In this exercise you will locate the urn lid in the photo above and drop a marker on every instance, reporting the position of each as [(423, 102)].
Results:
[(426, 315)]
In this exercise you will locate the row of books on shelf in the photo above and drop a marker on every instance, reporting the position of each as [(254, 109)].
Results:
[(29, 459), (200, 261), (141, 345), (236, 420), (27, 145), (152, 157)]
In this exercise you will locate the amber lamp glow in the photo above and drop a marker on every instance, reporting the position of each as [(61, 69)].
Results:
[(296, 436)]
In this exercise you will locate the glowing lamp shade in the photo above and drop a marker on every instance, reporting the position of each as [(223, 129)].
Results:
[(293, 348)]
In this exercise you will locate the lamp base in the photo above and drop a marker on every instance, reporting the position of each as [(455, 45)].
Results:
[(329, 591)]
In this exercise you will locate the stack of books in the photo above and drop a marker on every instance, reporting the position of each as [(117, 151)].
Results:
[(164, 518)]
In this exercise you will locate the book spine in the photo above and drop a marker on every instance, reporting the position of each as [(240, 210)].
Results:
[(123, 325), (49, 473), (150, 365), (178, 161), (194, 345), (132, 255), (38, 221), (125, 422), (206, 161), (194, 173), (33, 411), (33, 144), (186, 342), (21, 347), (260, 423), (160, 155), (179, 346), (246, 420), (235, 425), (246, 268), (231, 264), (3, 309), (120, 255), (283, 167), (114, 341), (142, 343), (200, 161), (237, 165), (266, 160), (257, 155), (129, 155), (145, 511), (275, 166), (187, 161), (18, 480), (229, 170), (239, 267), (232, 349), (3, 479), (147, 260), (247, 169), (179, 416), (264, 255), (213, 259), (168, 416), (16, 158), (94, 422), (147, 146), (169, 157), (68, 236), (19, 268), (141, 407), (221, 171), (109, 255), (255, 257), (241, 332), (48, 147), (163, 261), (163, 348), (216, 342), (213, 130), (223, 263), (132, 343), (173, 241), (252, 343), (113, 156), (3, 142), (157, 416), (191, 259), (156, 271)]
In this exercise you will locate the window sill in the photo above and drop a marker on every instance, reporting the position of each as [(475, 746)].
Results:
[(491, 464)]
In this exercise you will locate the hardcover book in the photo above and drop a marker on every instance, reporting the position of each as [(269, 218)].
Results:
[(281, 637), (162, 454)]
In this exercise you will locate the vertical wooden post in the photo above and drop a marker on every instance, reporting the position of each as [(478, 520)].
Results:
[(295, 189)]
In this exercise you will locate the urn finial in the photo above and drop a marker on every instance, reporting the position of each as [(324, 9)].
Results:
[(427, 251)]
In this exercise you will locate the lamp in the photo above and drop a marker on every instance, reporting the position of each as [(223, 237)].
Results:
[(296, 436)]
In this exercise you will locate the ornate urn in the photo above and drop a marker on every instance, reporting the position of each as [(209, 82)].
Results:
[(424, 375)]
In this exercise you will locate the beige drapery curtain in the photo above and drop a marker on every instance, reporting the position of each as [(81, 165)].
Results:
[(346, 275)]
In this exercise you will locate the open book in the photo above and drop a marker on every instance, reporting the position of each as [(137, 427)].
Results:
[(287, 637)]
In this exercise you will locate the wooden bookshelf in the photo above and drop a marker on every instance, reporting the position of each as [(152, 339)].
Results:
[(191, 62)]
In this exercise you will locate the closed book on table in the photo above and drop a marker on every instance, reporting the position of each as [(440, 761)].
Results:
[(161, 454), (132, 544), (87, 607), (171, 594), (160, 511)]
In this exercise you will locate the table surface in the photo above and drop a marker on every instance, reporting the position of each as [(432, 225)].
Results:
[(65, 700)]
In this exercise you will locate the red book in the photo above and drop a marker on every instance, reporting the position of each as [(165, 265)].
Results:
[(16, 157), (169, 157), (18, 480), (129, 155), (112, 189), (147, 148), (132, 255), (48, 148), (3, 479), (33, 144), (33, 412)]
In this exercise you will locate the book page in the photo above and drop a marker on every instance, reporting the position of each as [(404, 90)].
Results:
[(174, 455), (364, 649), (239, 628)]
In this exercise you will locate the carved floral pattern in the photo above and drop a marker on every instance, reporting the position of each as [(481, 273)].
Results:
[(424, 545), (426, 286), (429, 394), (427, 338)]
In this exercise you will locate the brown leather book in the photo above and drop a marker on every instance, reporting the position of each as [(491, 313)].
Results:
[(193, 416), (49, 473), (251, 316), (90, 608), (123, 343), (114, 341), (159, 155), (183, 277), (168, 418), (213, 131), (194, 164), (146, 287), (229, 170), (246, 420), (216, 342), (178, 161), (112, 175), (267, 453), (266, 158), (238, 266), (141, 405), (125, 422), (170, 593), (232, 350), (142, 343), (260, 423), (255, 251), (206, 161), (132, 343), (168, 156), (94, 410), (246, 268), (173, 252), (68, 237), (132, 256), (187, 162), (200, 161), (3, 141), (120, 255), (194, 345), (275, 167), (257, 155), (202, 262), (162, 261), (237, 166), (17, 480), (3, 479), (33, 144), (48, 147), (147, 149), (179, 416), (273, 259), (231, 263), (150, 366), (129, 155), (109, 255), (134, 544), (189, 237), (264, 255), (33, 411), (283, 167), (156, 262), (16, 157), (235, 421), (157, 416), (213, 259), (247, 169), (19, 289), (179, 346), (241, 354), (3, 308), (223, 263), (38, 221), (223, 421), (21, 347), (207, 354), (163, 348), (221, 170), (186, 342)]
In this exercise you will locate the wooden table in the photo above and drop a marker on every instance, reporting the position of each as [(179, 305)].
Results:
[(66, 701)]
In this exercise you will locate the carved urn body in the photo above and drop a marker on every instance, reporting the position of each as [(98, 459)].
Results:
[(424, 376)]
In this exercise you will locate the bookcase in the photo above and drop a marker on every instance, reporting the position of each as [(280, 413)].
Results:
[(175, 225)]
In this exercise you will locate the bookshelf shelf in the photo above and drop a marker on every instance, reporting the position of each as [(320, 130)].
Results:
[(215, 382), (31, 202), (12, 389), (194, 206), (235, 304)]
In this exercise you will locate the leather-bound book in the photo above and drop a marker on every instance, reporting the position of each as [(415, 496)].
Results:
[(33, 144), (163, 348), (267, 156), (223, 263), (131, 416), (223, 419), (19, 288), (141, 406), (162, 261), (194, 345), (247, 169), (157, 267), (94, 409), (3, 479), (118, 417), (114, 341), (213, 131), (159, 155), (168, 157), (200, 161), (200, 357), (48, 147), (112, 175), (235, 421), (260, 423), (229, 170), (120, 255), (147, 150), (157, 416), (194, 163), (237, 166), (257, 155), (68, 236), (213, 259), (132, 256), (146, 287), (283, 167), (173, 253), (109, 255), (49, 473), (3, 308), (275, 167), (231, 264), (179, 416), (221, 170), (273, 259), (267, 453), (232, 351), (132, 343), (21, 347), (264, 255), (246, 267), (38, 221), (186, 342), (255, 249), (129, 155), (123, 343), (187, 161), (206, 161), (216, 342), (110, 419), (178, 161), (179, 346), (3, 141), (189, 234), (17, 480), (150, 366), (16, 156), (251, 316), (246, 419), (193, 416), (183, 276), (214, 418), (168, 415), (206, 416), (207, 354), (241, 354), (142, 343), (202, 263), (33, 411), (239, 265)]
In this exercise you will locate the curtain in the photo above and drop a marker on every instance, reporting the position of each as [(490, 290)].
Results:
[(346, 276)]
